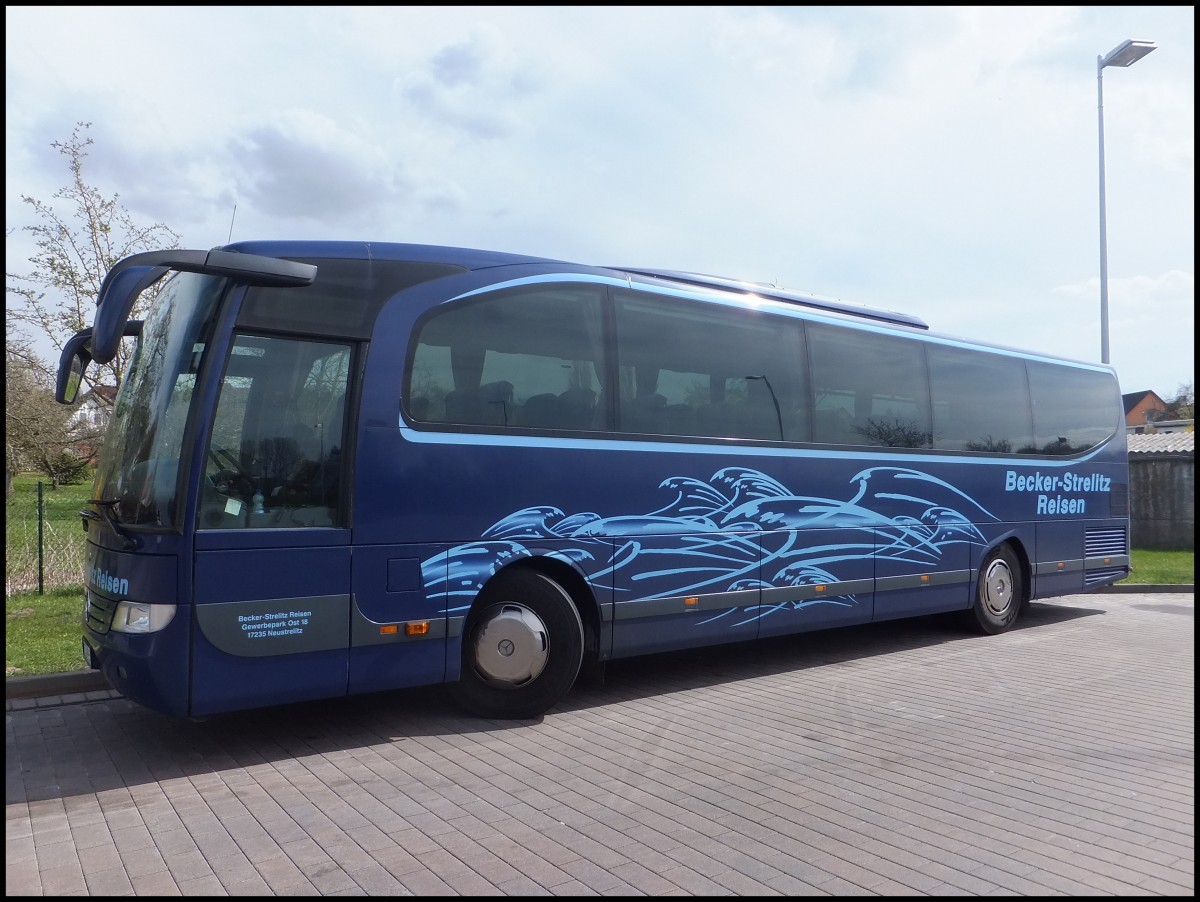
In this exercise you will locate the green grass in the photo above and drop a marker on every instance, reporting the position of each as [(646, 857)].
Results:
[(1162, 568), (42, 632)]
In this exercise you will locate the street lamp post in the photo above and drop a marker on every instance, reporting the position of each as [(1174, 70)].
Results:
[(1124, 55)]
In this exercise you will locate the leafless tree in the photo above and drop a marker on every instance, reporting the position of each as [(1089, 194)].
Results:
[(78, 236)]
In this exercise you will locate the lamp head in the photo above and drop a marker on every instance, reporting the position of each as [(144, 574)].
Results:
[(1127, 53)]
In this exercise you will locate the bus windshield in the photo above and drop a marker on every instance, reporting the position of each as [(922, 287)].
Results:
[(137, 473)]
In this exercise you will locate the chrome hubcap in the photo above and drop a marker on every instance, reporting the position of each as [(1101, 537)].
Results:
[(998, 587), (511, 645)]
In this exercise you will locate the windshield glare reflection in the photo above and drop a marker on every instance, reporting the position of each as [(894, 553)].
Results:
[(139, 466)]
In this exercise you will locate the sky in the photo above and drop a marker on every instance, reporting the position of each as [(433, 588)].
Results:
[(940, 161)]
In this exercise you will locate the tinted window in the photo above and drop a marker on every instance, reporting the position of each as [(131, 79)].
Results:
[(530, 358), (533, 358), (343, 300), (980, 401), (693, 368), (1073, 409), (868, 389), (275, 455)]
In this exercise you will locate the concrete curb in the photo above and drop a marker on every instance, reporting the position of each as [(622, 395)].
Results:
[(54, 684), (1144, 589), (78, 681)]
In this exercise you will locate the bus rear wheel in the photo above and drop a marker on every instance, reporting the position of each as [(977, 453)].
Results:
[(1000, 593), (522, 648)]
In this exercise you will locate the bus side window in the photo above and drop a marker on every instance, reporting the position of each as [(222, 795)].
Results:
[(693, 368), (981, 401), (1073, 409), (878, 381), (527, 358)]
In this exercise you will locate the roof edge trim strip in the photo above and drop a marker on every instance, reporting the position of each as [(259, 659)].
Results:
[(778, 294)]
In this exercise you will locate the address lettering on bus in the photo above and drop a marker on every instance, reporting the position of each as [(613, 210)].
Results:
[(1049, 489), (282, 623), (280, 626)]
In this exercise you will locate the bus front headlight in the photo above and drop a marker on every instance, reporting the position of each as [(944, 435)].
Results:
[(139, 617)]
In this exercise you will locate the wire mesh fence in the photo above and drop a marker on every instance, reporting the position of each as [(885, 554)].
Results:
[(41, 553)]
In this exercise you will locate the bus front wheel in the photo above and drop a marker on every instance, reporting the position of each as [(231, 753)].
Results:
[(522, 648), (1000, 593)]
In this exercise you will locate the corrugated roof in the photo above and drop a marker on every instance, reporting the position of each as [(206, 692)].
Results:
[(1163, 443)]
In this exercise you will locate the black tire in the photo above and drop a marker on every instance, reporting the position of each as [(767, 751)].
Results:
[(1000, 593), (522, 648)]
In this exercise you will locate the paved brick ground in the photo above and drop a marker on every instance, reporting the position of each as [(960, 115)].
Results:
[(905, 758)]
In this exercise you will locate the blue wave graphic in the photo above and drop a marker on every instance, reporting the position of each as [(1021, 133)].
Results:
[(740, 530)]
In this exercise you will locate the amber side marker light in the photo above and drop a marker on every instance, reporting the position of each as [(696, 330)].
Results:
[(417, 629), (390, 630), (691, 602)]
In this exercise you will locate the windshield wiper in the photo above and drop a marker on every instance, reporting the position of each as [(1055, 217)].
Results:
[(128, 543)]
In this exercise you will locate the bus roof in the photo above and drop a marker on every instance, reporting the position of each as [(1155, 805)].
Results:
[(466, 257), (274, 263), (474, 258)]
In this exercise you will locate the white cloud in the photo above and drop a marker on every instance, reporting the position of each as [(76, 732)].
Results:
[(937, 160)]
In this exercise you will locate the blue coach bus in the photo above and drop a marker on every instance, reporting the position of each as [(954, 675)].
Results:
[(337, 468)]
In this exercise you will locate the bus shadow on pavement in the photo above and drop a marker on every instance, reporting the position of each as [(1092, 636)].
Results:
[(143, 746), (429, 710), (1185, 610), (642, 677)]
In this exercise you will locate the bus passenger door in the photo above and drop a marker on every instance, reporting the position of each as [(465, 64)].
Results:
[(271, 600), (270, 622)]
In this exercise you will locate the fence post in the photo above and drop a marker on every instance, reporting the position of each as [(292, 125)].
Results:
[(41, 569)]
